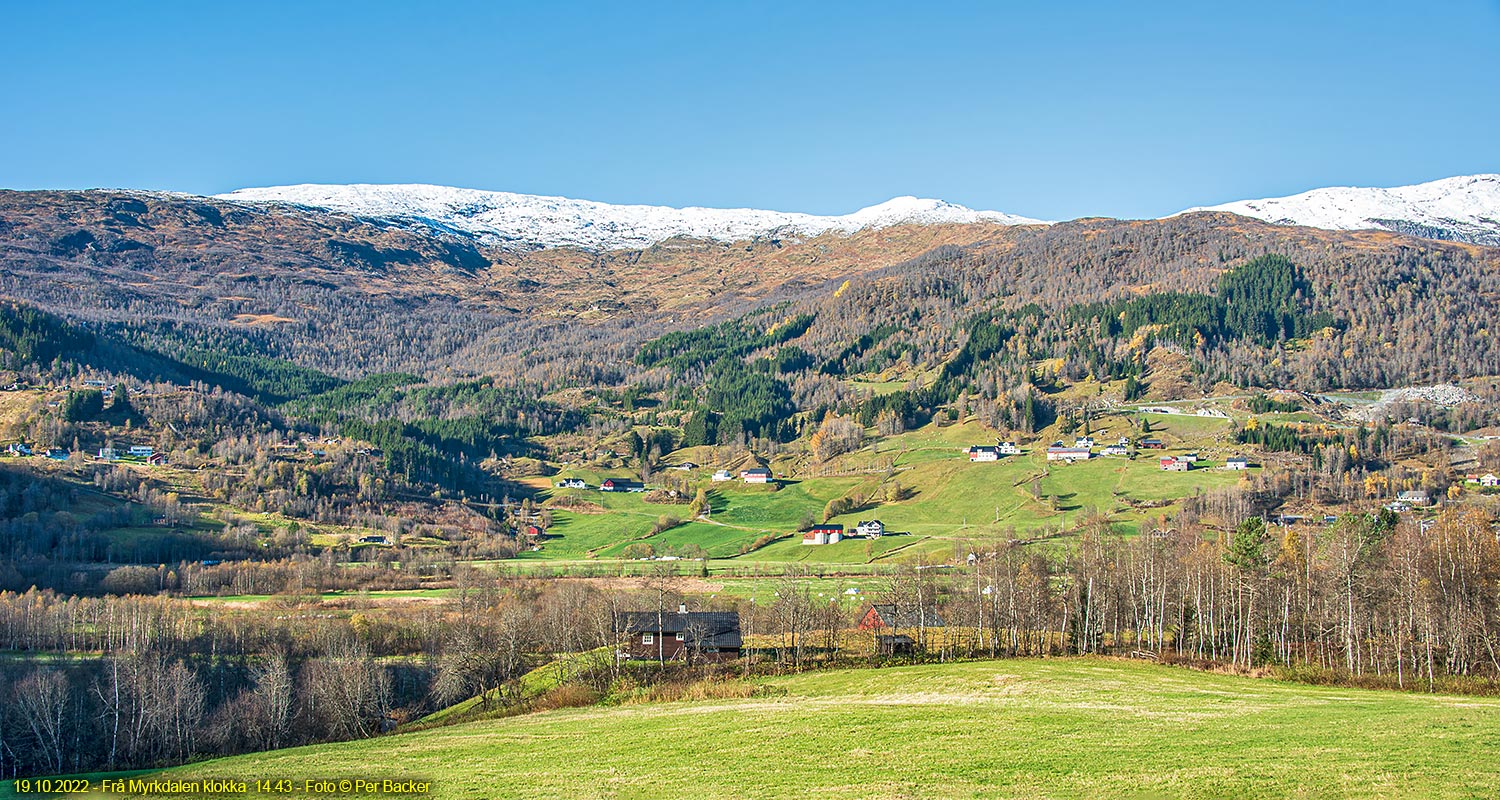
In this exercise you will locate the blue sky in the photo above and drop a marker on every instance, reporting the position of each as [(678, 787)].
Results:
[(1048, 109)]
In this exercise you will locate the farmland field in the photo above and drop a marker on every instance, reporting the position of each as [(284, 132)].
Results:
[(1022, 728), (947, 499)]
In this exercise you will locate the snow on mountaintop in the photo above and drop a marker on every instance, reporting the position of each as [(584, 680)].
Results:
[(1465, 209), (505, 218)]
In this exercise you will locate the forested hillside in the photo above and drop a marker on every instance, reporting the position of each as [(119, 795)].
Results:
[(349, 298)]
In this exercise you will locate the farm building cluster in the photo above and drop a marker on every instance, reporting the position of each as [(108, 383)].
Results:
[(1082, 449), (833, 534), (754, 475), (138, 453)]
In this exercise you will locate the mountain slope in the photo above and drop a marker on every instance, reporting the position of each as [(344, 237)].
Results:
[(349, 296), (529, 221), (1463, 209)]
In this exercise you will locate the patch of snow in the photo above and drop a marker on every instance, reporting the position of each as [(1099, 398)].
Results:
[(531, 221), (1465, 209), (1446, 395)]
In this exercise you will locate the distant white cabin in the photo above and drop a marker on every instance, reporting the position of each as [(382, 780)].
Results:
[(1416, 497), (871, 529), (1069, 454), (984, 453)]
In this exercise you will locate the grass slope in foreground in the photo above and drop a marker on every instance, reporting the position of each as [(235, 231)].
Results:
[(1022, 728)]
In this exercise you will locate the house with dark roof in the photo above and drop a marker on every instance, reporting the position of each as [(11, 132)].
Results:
[(679, 636), (887, 621), (756, 475), (1058, 452), (890, 616), (1415, 497), (621, 485), (984, 453)]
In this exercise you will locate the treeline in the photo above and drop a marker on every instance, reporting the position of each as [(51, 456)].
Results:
[(1265, 301), (681, 350), (28, 335), (1371, 599), (151, 682), (152, 703)]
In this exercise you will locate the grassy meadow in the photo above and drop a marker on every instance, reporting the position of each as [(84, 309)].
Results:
[(948, 499), (1083, 727)]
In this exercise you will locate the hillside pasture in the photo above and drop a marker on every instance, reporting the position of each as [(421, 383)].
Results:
[(1083, 727)]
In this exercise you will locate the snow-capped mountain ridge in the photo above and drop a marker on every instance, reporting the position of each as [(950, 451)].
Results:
[(532, 221), (1465, 209)]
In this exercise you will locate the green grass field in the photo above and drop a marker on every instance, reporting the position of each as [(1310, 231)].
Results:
[(1022, 728), (949, 499), (741, 515)]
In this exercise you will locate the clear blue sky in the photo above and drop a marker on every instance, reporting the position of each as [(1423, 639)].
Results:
[(1054, 110)]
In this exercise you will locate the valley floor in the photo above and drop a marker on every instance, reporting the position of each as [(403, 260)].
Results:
[(1080, 727)]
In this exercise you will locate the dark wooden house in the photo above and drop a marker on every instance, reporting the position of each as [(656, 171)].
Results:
[(680, 635)]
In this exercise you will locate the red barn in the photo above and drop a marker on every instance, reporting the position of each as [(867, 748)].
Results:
[(887, 616)]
